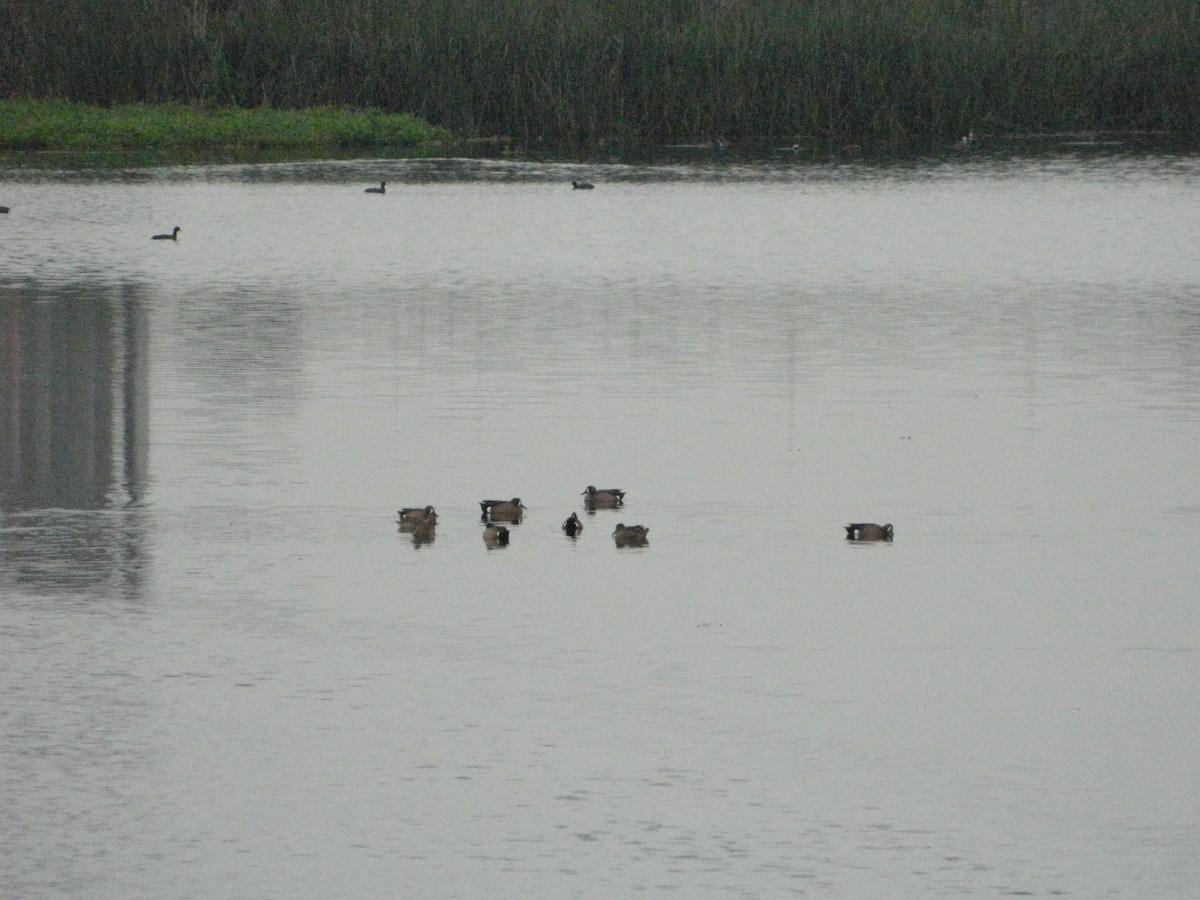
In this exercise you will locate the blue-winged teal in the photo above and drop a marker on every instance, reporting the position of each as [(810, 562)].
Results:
[(173, 236), (412, 516), (868, 531), (572, 527), (609, 498), (582, 185), (502, 510), (631, 535), (382, 189), (422, 534), (495, 535)]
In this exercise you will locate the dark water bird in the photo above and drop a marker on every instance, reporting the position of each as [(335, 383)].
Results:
[(421, 534), (868, 531), (173, 236), (610, 498), (382, 189), (502, 510), (495, 535), (582, 185), (412, 517), (572, 527), (631, 535), (3, 209)]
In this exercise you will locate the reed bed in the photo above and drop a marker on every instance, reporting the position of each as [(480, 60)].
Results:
[(558, 72)]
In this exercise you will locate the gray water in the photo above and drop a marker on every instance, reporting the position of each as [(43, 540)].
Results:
[(227, 673)]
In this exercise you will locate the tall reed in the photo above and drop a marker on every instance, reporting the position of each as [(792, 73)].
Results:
[(561, 71)]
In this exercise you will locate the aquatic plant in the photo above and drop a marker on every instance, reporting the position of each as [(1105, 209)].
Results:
[(560, 71)]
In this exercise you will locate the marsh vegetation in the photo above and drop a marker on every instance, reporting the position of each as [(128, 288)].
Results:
[(555, 72)]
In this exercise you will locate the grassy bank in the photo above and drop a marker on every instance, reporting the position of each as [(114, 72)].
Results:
[(63, 126), (558, 72)]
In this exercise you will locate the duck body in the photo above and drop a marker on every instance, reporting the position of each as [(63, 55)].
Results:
[(3, 210), (582, 185), (495, 535), (502, 510), (382, 189), (173, 236), (610, 498), (422, 533), (868, 531), (413, 517), (631, 535), (572, 527)]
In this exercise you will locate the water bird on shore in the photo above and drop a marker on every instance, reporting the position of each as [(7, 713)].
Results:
[(582, 185), (631, 535), (382, 189), (502, 510), (495, 536), (868, 531), (609, 498), (173, 236), (412, 517), (572, 527)]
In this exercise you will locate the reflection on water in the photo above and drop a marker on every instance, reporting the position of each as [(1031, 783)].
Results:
[(73, 374), (300, 697), (74, 438)]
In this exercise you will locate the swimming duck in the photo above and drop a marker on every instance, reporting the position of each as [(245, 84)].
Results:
[(631, 535), (502, 510), (495, 535), (382, 189), (582, 185), (422, 534), (572, 526), (173, 236), (412, 516), (868, 531), (609, 498)]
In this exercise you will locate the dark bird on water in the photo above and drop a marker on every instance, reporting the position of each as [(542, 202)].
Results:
[(868, 531), (382, 189), (173, 236)]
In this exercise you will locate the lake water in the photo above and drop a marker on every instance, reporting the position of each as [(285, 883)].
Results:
[(227, 673)]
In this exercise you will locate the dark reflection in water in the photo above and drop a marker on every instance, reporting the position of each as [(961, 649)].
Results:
[(74, 434)]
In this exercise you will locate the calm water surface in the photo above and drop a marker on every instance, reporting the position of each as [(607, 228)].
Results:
[(228, 674)]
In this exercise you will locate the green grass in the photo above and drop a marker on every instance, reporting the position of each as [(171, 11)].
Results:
[(57, 125)]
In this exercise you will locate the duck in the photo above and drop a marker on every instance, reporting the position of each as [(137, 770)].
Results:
[(582, 185), (868, 531), (495, 535), (609, 498), (173, 236), (422, 534), (382, 189), (572, 527), (3, 210), (631, 535), (502, 510), (412, 517)]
